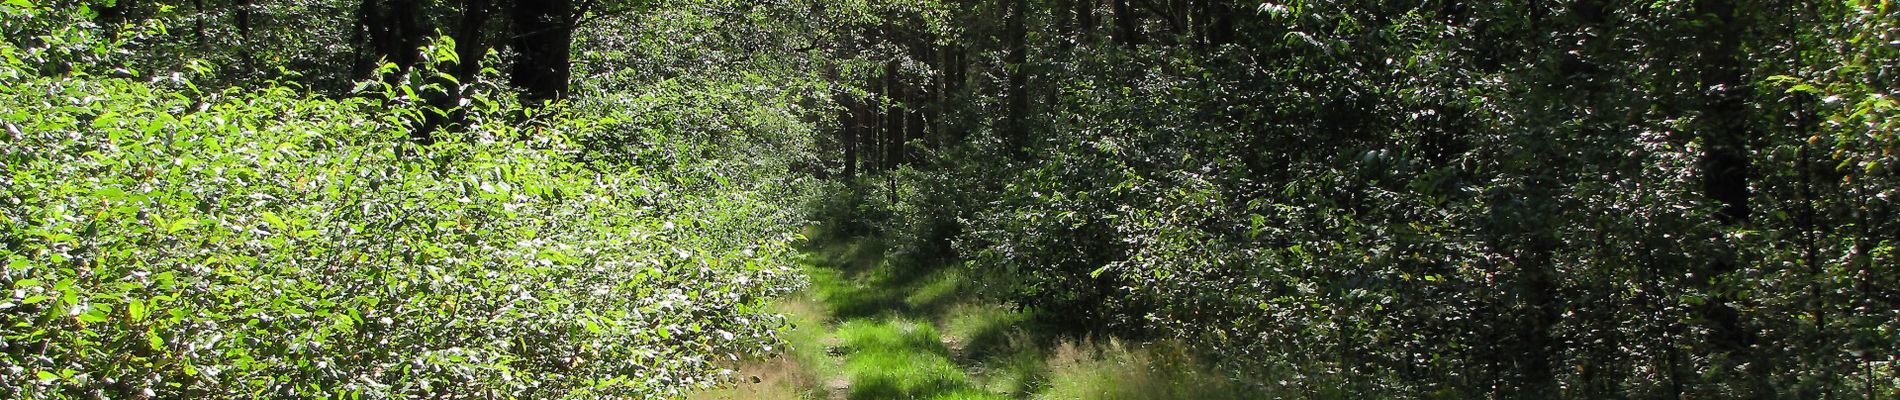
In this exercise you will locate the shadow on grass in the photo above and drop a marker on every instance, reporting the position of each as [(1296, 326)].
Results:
[(903, 329), (855, 279), (902, 359)]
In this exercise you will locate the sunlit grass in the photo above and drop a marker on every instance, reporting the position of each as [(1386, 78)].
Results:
[(872, 328), (1116, 371)]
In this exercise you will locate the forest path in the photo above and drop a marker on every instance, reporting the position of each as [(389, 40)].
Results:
[(874, 327), (870, 328)]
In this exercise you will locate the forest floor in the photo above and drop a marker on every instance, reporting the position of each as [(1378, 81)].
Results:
[(870, 327)]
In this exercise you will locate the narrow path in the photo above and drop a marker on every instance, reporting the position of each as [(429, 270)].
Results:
[(871, 328)]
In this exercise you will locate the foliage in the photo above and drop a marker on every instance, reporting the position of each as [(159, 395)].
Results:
[(1431, 199), (165, 240)]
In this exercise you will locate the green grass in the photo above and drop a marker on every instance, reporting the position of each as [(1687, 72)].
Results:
[(902, 359), (1116, 371), (870, 327)]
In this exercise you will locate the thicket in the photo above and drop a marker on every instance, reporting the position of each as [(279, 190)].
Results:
[(1576, 199), (186, 234)]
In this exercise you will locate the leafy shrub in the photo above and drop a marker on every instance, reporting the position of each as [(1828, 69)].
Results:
[(164, 241)]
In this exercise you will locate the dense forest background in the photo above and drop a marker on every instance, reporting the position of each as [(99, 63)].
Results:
[(599, 198)]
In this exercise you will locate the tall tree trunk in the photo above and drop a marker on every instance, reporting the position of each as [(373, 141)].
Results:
[(1725, 163), (544, 32), (198, 23), (1085, 19), (113, 15), (243, 17), (933, 97), (894, 112), (406, 17), (395, 32), (851, 129), (1016, 127), (1725, 169), (913, 122), (470, 47), (872, 121), (367, 39), (1220, 28), (243, 22), (1127, 29)]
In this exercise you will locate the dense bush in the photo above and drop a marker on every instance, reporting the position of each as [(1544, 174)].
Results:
[(1415, 199), (166, 240)]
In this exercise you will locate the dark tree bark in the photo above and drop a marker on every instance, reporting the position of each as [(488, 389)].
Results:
[(1127, 30), (914, 125), (933, 97), (113, 15), (1725, 170), (393, 30), (1085, 19), (198, 24), (1220, 27), (850, 129), (871, 127), (1725, 162), (1016, 125), (244, 18), (366, 39), (243, 22), (544, 32), (470, 46), (894, 111), (406, 17), (469, 50)]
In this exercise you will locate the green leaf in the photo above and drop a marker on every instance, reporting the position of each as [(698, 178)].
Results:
[(181, 224), (95, 315), (36, 299), (136, 310), (275, 221), (46, 376)]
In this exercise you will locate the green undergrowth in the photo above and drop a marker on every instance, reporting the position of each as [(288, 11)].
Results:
[(165, 240)]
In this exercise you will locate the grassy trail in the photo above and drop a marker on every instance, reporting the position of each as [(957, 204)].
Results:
[(871, 328)]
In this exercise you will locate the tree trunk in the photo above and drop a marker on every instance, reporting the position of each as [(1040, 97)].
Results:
[(849, 127), (1085, 19), (198, 24), (895, 109), (913, 122), (366, 39), (1725, 163), (243, 22), (872, 123), (470, 47), (1725, 169), (1220, 30), (244, 18), (544, 32), (113, 15), (1016, 129), (1127, 31), (394, 33)]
